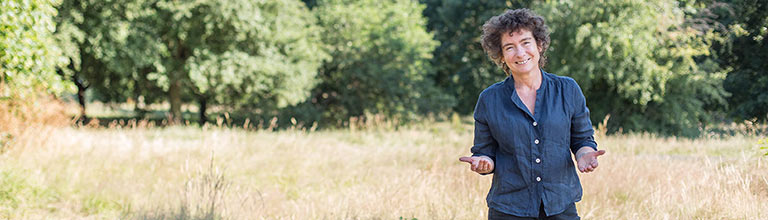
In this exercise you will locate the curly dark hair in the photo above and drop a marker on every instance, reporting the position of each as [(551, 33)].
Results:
[(509, 22)]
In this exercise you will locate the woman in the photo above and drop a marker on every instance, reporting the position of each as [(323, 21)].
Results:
[(527, 126)]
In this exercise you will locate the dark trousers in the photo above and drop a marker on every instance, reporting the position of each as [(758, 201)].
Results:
[(569, 214)]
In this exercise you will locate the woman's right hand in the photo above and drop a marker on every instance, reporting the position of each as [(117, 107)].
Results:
[(481, 164)]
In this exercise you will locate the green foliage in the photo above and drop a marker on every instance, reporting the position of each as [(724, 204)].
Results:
[(106, 52), (462, 68), (380, 64), (240, 53), (659, 66), (744, 25), (27, 57), (124, 50), (260, 54), (635, 60)]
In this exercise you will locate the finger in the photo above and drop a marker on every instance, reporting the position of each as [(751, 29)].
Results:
[(593, 163), (475, 164), (465, 159), (600, 152), (486, 166)]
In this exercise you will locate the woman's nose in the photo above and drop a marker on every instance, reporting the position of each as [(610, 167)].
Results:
[(519, 51)]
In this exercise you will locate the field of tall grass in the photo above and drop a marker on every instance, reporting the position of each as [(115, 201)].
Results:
[(139, 171)]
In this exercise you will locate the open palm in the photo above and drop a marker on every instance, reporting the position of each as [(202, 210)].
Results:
[(588, 161)]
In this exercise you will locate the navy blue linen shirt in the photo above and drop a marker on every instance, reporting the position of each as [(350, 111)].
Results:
[(532, 153)]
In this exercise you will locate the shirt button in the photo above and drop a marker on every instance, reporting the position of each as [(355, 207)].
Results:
[(536, 141), (534, 124), (538, 160), (538, 179)]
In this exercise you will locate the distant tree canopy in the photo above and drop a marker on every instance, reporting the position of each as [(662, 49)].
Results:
[(237, 53), (380, 61), (670, 67), (263, 55), (744, 24), (106, 53)]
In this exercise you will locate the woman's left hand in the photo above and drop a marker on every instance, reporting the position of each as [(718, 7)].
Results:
[(587, 161)]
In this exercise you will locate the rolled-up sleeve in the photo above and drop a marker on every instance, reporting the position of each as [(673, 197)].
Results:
[(484, 143), (581, 126)]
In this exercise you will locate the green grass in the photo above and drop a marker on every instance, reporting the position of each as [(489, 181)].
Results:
[(19, 193)]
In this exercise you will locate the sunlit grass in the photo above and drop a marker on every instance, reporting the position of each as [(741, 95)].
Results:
[(411, 172)]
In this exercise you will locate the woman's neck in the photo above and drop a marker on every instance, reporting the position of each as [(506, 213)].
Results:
[(529, 80)]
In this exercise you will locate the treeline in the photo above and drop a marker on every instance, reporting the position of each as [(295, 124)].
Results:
[(671, 67)]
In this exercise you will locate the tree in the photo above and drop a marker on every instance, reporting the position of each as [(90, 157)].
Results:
[(380, 61), (104, 51), (256, 54), (27, 60), (261, 53), (462, 68), (744, 25), (635, 60)]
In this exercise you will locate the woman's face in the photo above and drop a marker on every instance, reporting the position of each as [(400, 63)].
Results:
[(521, 51)]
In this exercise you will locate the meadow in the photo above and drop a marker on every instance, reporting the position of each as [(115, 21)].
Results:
[(140, 171)]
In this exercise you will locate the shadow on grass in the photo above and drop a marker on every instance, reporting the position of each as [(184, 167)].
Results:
[(206, 195), (150, 119), (118, 117), (182, 213)]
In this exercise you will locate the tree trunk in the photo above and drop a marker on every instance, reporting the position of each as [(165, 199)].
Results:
[(81, 100), (174, 91), (81, 97), (174, 97), (203, 106)]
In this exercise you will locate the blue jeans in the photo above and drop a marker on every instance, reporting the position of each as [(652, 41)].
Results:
[(569, 214)]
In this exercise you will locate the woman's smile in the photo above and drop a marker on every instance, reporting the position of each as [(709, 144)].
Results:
[(523, 62)]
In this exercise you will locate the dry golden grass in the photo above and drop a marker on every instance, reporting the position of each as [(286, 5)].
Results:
[(212, 173), (20, 109)]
